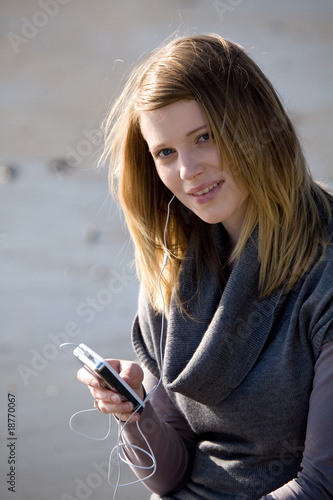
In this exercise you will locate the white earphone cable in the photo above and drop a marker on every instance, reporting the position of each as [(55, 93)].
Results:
[(118, 448)]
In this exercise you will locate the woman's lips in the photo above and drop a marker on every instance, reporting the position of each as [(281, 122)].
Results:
[(205, 194), (206, 190)]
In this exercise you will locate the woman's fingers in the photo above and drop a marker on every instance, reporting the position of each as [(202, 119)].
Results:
[(84, 376), (107, 407), (114, 403), (125, 408), (106, 395), (109, 401)]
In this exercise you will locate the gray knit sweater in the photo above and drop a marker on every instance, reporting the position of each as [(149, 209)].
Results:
[(241, 372)]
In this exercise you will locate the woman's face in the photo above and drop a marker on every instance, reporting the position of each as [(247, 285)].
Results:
[(188, 163)]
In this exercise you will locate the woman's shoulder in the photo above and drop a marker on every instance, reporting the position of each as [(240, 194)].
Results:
[(316, 297)]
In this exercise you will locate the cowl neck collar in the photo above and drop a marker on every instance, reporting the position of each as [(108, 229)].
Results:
[(228, 334)]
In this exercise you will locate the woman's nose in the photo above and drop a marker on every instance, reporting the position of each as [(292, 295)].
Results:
[(190, 167)]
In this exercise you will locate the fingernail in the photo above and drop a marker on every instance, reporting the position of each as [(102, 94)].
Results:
[(115, 399), (94, 384)]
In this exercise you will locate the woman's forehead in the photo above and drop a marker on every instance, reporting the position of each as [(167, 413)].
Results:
[(180, 118)]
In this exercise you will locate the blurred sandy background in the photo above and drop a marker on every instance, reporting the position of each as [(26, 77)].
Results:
[(65, 256)]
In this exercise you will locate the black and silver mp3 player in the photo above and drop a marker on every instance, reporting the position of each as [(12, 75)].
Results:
[(105, 374)]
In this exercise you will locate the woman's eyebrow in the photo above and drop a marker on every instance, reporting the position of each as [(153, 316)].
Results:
[(197, 129), (188, 134)]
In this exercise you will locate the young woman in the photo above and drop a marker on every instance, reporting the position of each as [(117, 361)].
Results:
[(208, 169)]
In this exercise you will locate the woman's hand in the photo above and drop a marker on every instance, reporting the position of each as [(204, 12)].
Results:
[(111, 401)]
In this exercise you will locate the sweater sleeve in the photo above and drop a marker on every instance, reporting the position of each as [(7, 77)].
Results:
[(315, 480), (170, 438)]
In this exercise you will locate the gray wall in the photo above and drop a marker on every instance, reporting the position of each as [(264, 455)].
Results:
[(65, 255)]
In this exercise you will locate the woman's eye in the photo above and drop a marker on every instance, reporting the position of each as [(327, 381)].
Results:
[(204, 137), (164, 153)]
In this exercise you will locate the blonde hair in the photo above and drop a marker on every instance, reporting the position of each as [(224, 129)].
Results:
[(256, 138)]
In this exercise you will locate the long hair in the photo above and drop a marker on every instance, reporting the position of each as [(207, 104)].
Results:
[(253, 134)]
